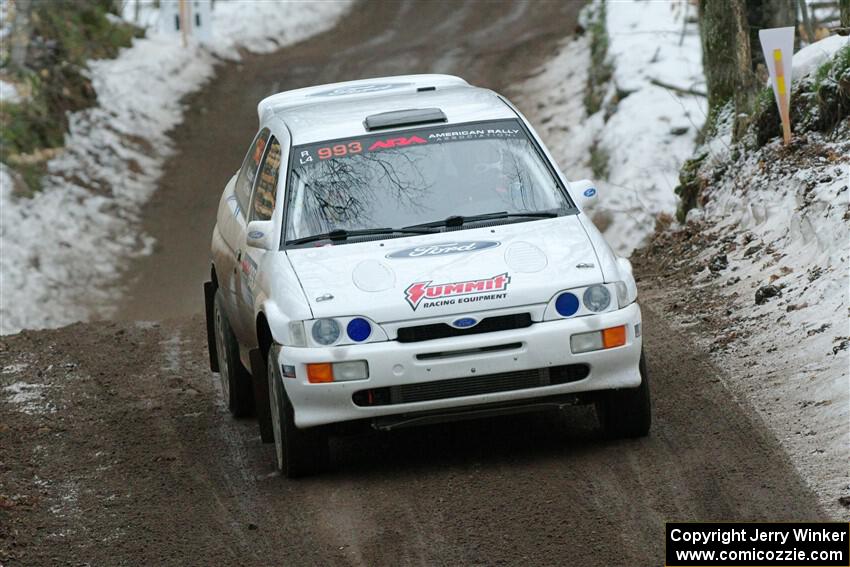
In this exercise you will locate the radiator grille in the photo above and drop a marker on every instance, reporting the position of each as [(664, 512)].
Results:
[(442, 330), (471, 385)]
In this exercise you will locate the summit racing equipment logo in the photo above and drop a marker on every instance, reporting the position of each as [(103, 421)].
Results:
[(395, 142), (438, 295)]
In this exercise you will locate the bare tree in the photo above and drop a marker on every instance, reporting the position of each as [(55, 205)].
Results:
[(727, 59), (845, 13), (20, 37)]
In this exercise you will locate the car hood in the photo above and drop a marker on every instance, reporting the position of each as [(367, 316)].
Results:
[(448, 273)]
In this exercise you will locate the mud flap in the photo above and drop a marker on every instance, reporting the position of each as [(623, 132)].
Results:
[(209, 301), (259, 376)]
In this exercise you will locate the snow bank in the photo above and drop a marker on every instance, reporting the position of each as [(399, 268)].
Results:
[(778, 220), (808, 59), (61, 249), (779, 217), (652, 129), (784, 225)]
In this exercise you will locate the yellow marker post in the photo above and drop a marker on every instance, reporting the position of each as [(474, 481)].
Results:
[(779, 77), (777, 44)]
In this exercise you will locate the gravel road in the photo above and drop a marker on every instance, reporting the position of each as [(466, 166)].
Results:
[(116, 450)]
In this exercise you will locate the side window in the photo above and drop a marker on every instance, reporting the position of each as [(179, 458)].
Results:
[(266, 191), (245, 180)]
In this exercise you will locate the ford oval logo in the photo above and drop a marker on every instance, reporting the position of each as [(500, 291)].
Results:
[(590, 192), (255, 234), (443, 249), (464, 323)]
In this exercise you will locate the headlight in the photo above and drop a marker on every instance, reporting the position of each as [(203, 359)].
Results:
[(567, 304), (325, 331), (597, 298), (358, 329)]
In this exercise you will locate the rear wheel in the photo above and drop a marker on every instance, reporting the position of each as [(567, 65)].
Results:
[(236, 386), (298, 452), (627, 413)]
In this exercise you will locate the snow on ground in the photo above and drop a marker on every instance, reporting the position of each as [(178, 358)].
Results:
[(652, 129), (813, 56), (781, 224), (62, 248), (30, 398), (8, 92), (781, 218)]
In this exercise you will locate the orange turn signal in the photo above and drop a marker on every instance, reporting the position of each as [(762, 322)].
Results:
[(614, 337), (320, 373)]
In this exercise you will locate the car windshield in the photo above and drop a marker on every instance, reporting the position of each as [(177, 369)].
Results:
[(415, 177)]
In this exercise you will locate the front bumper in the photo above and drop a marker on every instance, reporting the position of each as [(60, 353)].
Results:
[(391, 363)]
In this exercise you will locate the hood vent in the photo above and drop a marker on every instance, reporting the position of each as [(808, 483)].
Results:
[(409, 117)]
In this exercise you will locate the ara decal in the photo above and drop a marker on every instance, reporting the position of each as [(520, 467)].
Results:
[(396, 142)]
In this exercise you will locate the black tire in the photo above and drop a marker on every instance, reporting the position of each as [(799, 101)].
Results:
[(298, 452), (262, 409), (236, 386), (627, 413)]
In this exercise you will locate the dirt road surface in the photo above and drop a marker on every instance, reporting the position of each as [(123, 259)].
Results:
[(116, 450)]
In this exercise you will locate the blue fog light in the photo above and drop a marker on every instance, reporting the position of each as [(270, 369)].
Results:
[(359, 329), (566, 305)]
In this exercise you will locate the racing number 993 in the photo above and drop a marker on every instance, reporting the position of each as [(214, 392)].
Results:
[(340, 150)]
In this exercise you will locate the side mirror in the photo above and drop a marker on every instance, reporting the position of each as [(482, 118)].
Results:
[(260, 234), (584, 191)]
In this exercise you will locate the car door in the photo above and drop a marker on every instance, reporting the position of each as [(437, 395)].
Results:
[(233, 228), (262, 207)]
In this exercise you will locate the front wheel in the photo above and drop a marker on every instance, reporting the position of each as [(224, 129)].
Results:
[(298, 452), (627, 413)]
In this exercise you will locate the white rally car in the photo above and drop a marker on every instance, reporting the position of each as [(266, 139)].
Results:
[(404, 251)]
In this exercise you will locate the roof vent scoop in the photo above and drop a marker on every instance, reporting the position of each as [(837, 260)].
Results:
[(407, 117)]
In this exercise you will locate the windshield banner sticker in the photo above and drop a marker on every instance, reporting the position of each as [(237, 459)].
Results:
[(315, 153), (439, 295), (443, 249)]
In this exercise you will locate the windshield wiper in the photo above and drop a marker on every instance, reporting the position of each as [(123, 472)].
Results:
[(342, 234), (457, 220)]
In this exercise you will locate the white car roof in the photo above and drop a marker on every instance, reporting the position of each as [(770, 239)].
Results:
[(338, 110)]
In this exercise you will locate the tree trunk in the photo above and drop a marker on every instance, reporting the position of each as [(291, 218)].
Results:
[(764, 14), (20, 36), (808, 27), (726, 58), (845, 13)]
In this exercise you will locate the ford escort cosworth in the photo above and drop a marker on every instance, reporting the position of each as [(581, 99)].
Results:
[(405, 251)]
